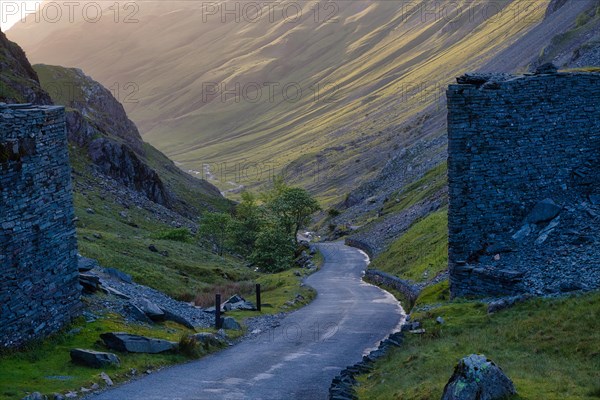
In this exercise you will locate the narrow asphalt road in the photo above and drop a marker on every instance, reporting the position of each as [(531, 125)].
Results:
[(296, 360)]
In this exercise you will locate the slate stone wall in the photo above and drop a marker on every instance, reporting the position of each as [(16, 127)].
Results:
[(513, 142), (39, 290)]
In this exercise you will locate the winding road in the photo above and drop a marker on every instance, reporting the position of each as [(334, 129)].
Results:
[(296, 360)]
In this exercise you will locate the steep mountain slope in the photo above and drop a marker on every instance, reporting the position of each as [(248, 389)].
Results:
[(228, 93), (97, 122), (18, 81), (98, 125), (126, 193), (411, 185)]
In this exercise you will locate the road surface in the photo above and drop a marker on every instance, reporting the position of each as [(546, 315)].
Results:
[(296, 360)]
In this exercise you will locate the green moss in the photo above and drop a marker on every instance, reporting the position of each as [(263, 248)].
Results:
[(582, 19)]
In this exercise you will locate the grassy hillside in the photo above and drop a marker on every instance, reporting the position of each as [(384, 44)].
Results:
[(119, 236), (376, 65), (548, 347), (419, 254)]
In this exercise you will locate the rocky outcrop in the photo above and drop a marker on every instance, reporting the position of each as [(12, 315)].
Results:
[(476, 377), (97, 124), (121, 163), (18, 81), (72, 88)]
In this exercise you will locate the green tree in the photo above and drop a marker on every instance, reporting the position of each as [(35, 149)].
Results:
[(292, 208), (248, 220), (215, 228), (279, 186), (273, 250)]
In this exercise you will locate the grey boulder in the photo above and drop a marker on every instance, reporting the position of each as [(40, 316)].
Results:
[(208, 339), (94, 359), (230, 323), (85, 264), (136, 344), (476, 377)]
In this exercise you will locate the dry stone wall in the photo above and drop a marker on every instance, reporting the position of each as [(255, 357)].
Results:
[(39, 289), (524, 183)]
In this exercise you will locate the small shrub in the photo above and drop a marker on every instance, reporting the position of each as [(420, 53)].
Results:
[(207, 297), (596, 391), (333, 212), (582, 19), (178, 235), (189, 347)]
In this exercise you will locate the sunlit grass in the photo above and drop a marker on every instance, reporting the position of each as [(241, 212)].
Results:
[(420, 253)]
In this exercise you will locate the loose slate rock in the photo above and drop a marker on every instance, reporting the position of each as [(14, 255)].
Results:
[(547, 68), (136, 313), (35, 396), (543, 211), (136, 344), (171, 316), (89, 282), (85, 264), (151, 310), (476, 377), (95, 359), (115, 273), (237, 302)]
